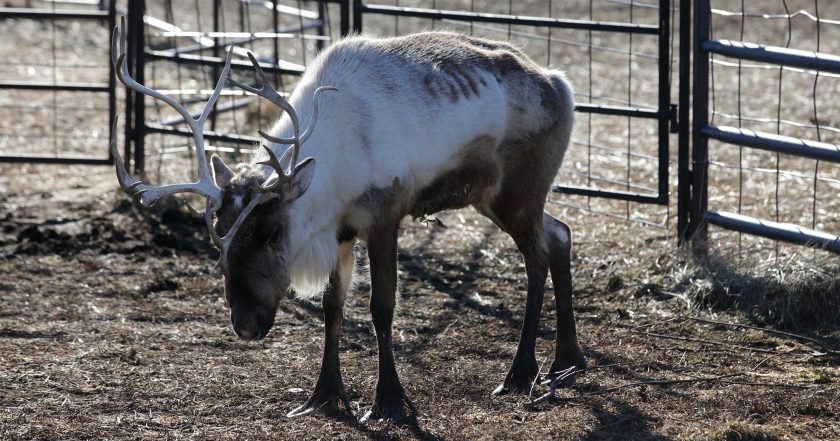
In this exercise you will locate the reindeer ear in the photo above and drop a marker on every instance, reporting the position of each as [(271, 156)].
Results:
[(222, 174), (304, 172)]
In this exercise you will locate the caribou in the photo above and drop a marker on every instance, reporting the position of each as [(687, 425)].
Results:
[(406, 126)]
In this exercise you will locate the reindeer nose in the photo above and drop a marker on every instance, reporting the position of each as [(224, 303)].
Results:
[(251, 324), (245, 334)]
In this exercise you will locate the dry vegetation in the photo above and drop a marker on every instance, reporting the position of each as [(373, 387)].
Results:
[(113, 323)]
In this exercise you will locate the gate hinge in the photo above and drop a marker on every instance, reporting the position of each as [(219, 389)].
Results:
[(672, 118)]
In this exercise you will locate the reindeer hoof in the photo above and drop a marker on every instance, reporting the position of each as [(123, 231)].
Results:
[(520, 378), (567, 366), (395, 414), (324, 401), (394, 407)]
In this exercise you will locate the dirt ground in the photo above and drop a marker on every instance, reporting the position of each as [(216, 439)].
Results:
[(113, 322), (113, 325)]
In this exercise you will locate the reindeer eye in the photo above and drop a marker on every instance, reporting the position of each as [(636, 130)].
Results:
[(275, 235)]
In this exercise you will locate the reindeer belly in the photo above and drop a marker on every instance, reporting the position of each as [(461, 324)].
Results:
[(475, 178)]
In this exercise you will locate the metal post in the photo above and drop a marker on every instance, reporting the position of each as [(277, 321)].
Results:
[(697, 228), (216, 53), (344, 6), (322, 17), (683, 171), (357, 16), (112, 80), (664, 96), (136, 37)]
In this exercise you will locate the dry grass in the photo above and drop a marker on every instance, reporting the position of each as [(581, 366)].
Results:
[(113, 323)]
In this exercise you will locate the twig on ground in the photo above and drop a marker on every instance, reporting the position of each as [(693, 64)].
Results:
[(757, 383), (537, 378), (718, 343), (553, 385), (550, 395), (820, 344)]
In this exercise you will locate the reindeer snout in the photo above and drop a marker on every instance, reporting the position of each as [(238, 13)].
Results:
[(251, 324)]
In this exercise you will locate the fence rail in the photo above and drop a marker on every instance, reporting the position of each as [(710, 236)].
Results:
[(703, 131)]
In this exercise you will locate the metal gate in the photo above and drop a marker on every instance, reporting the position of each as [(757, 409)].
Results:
[(66, 12), (777, 59), (206, 51)]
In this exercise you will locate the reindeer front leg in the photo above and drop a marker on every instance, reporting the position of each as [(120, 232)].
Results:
[(330, 388), (390, 399)]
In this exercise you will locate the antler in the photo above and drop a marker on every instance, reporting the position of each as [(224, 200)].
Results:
[(266, 91), (146, 194)]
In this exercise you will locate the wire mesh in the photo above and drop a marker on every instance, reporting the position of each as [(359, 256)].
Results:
[(789, 101), (43, 117), (286, 34)]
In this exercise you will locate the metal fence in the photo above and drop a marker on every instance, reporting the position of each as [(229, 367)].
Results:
[(765, 158), (40, 87), (182, 56), (760, 155)]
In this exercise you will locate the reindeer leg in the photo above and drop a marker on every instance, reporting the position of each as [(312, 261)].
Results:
[(567, 351), (390, 399), (524, 368), (329, 388)]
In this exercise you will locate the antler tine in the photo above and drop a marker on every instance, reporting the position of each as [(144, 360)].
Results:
[(147, 194), (266, 91), (272, 161), (223, 242), (313, 118), (121, 67), (310, 126)]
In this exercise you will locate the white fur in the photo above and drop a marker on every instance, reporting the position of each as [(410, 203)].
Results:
[(366, 138)]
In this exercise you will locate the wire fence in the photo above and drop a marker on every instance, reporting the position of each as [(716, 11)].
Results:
[(783, 100), (54, 79)]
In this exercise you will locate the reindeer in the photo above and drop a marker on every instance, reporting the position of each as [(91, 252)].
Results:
[(411, 125)]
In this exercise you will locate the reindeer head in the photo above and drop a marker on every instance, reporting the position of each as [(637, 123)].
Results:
[(245, 210)]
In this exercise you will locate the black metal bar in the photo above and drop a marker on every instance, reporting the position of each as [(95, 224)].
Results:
[(112, 80), (358, 8), (57, 14), (617, 194), (522, 20), (664, 97), (637, 112), (67, 87), (322, 15), (683, 170), (38, 159), (775, 143), (775, 230), (344, 12), (136, 28), (774, 55), (217, 51), (211, 136), (218, 62), (697, 230)]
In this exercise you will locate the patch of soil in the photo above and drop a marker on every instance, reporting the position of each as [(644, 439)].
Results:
[(113, 325)]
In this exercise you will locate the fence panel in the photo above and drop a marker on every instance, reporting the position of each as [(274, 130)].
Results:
[(182, 54), (765, 151), (48, 82)]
